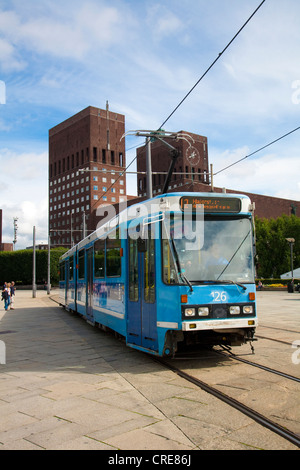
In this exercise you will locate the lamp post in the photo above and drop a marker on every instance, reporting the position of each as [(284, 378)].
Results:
[(291, 242), (34, 267)]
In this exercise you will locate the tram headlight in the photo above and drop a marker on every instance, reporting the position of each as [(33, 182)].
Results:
[(247, 309), (190, 312), (234, 310), (203, 311)]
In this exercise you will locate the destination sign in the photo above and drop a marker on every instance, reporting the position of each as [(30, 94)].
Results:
[(210, 204)]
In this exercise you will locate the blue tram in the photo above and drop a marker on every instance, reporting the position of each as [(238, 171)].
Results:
[(170, 272)]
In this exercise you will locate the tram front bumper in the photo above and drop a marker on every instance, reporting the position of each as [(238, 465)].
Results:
[(219, 325)]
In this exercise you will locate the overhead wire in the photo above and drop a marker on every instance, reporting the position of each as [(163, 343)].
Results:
[(210, 67), (191, 90), (256, 151)]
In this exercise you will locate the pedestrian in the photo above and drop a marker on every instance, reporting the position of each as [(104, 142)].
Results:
[(12, 295), (6, 295)]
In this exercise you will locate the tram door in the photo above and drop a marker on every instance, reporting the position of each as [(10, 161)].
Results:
[(67, 270), (89, 284), (142, 316)]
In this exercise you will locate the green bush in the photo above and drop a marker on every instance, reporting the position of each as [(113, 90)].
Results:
[(18, 266)]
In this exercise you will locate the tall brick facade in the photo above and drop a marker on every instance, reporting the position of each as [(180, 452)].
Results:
[(90, 140)]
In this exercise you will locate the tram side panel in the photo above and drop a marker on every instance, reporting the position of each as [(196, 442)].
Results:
[(109, 273)]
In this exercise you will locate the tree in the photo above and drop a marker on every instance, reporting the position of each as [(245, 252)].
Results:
[(273, 250)]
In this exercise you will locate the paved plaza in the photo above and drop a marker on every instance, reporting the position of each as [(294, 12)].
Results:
[(67, 385)]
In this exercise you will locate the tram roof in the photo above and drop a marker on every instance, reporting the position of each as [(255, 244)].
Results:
[(132, 212)]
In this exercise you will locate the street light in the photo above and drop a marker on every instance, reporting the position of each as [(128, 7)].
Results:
[(291, 242)]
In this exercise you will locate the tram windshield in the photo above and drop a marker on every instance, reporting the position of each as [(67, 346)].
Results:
[(224, 252)]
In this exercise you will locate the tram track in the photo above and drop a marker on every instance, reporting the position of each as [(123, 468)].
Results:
[(260, 366), (246, 410)]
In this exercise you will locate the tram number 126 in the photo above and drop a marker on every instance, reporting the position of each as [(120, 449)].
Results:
[(219, 296)]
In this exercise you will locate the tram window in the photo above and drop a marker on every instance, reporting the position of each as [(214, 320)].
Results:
[(149, 272), (113, 256), (133, 271), (81, 265), (170, 274), (99, 251), (62, 271)]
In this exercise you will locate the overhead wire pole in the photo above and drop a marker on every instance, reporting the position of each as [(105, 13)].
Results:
[(174, 152), (149, 168)]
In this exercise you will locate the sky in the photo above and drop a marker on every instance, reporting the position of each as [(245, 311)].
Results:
[(58, 57)]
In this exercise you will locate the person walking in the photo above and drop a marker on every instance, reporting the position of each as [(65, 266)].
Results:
[(12, 295), (6, 295)]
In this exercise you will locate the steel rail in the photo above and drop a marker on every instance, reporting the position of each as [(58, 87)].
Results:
[(254, 364), (258, 417)]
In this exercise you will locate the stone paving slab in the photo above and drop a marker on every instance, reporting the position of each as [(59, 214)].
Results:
[(67, 385)]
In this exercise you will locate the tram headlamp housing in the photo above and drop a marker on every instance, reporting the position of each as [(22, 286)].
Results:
[(190, 312), (234, 310), (203, 311), (248, 309)]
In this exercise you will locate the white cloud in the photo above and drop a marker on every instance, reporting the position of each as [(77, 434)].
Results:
[(264, 175), (163, 22), (56, 58), (24, 194)]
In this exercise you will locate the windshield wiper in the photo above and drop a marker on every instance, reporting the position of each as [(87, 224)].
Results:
[(175, 255), (231, 282), (241, 244)]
